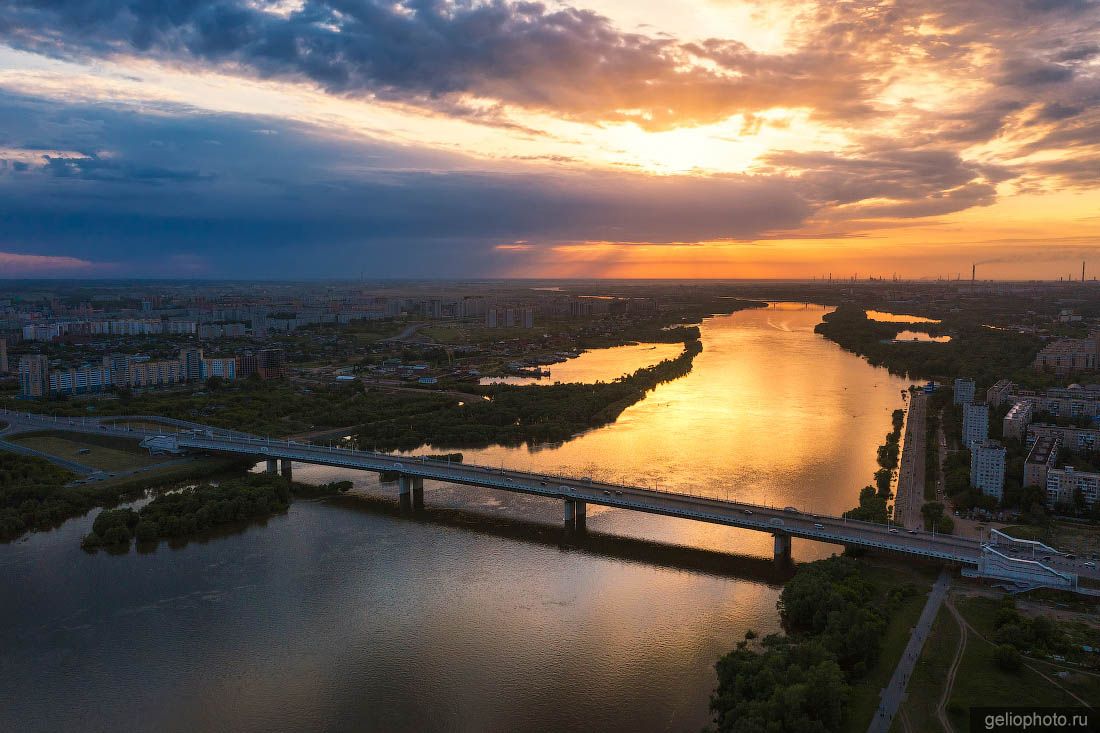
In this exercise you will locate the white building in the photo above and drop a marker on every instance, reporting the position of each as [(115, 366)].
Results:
[(964, 390), (975, 423), (987, 468)]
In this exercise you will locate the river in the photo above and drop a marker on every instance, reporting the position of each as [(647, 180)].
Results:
[(479, 615)]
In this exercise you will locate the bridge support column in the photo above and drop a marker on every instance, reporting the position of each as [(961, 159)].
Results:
[(570, 514), (580, 512), (417, 492), (782, 546), (272, 465), (405, 490), (288, 474)]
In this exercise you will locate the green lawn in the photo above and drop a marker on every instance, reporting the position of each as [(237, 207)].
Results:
[(1083, 539), (865, 692), (979, 682), (926, 684), (107, 454)]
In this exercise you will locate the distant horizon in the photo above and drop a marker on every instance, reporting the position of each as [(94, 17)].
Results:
[(748, 139)]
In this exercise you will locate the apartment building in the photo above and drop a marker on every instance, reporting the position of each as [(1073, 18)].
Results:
[(1074, 439), (964, 390), (975, 422), (987, 468), (1016, 421), (1063, 485), (1040, 460)]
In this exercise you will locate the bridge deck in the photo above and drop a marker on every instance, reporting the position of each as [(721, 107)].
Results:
[(744, 515)]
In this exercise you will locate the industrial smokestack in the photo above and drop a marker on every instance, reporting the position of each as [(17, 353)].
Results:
[(1082, 271), (973, 272)]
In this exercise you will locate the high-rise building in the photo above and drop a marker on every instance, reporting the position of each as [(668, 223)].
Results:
[(987, 468), (271, 363), (1016, 421), (191, 364), (225, 369), (1040, 460), (996, 394), (975, 423), (120, 368), (34, 377), (964, 390), (247, 365)]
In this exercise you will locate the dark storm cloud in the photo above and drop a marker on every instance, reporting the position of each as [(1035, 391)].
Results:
[(567, 61)]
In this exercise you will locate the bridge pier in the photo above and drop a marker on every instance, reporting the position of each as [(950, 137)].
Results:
[(580, 511), (272, 465), (782, 546), (410, 491), (570, 514), (288, 474)]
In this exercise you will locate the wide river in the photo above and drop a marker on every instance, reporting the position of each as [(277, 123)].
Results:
[(479, 614)]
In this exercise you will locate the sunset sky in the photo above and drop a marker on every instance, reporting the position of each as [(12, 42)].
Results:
[(594, 138)]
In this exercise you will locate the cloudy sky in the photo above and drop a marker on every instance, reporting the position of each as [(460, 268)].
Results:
[(590, 138)]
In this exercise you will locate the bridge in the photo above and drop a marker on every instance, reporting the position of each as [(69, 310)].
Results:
[(1004, 562)]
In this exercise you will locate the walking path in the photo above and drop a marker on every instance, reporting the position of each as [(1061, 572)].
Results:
[(894, 693), (949, 683)]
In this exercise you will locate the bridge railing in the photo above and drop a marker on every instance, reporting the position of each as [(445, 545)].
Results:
[(440, 469)]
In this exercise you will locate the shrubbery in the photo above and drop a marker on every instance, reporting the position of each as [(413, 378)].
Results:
[(192, 510), (835, 618)]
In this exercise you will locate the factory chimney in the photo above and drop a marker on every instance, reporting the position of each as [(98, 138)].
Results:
[(1082, 271), (973, 273)]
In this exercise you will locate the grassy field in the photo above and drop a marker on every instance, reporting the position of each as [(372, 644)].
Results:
[(865, 693), (926, 684), (979, 680), (166, 474), (1083, 539), (104, 453)]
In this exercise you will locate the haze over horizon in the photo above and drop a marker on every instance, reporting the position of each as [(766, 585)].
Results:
[(595, 138)]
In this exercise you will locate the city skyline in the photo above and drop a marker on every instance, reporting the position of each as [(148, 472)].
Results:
[(598, 138)]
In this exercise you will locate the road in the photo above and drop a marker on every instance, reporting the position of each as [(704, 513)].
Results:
[(894, 693), (779, 521), (910, 493), (405, 334)]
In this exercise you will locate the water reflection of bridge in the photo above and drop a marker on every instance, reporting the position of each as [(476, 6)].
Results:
[(576, 493)]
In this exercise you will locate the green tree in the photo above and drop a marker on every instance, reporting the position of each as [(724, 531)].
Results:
[(1008, 658)]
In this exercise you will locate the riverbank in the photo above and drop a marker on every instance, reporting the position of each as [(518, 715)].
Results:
[(827, 670), (513, 415), (982, 353)]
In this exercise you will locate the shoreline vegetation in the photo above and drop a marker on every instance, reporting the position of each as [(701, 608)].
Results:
[(984, 354), (873, 500), (35, 495), (391, 421), (836, 614), (526, 414), (194, 510)]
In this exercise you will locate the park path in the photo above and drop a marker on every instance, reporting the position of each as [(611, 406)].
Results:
[(893, 694), (949, 682)]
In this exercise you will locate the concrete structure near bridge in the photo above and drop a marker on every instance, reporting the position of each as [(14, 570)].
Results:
[(1003, 560)]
